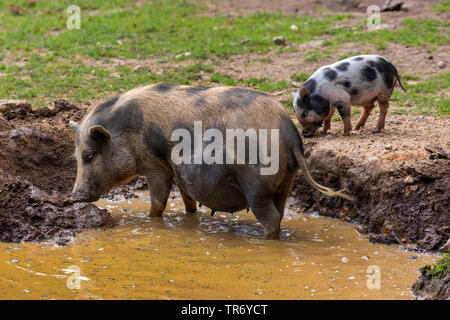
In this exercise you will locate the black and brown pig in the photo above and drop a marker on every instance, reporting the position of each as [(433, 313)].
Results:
[(359, 81), (132, 135)]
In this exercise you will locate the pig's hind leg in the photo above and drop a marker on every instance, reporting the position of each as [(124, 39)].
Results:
[(367, 109), (262, 205), (283, 191), (384, 105), (269, 217)]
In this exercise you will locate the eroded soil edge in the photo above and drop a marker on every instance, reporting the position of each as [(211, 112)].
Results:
[(37, 172)]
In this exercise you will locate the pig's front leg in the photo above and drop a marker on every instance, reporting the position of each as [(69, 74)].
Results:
[(327, 124), (364, 115), (160, 184), (189, 203), (344, 111)]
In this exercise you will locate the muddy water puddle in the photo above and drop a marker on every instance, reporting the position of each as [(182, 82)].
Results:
[(196, 256)]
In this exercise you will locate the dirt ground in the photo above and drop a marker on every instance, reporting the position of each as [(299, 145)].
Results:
[(37, 172), (313, 7), (401, 188)]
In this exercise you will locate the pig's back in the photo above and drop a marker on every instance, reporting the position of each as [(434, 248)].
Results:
[(363, 77), (216, 107)]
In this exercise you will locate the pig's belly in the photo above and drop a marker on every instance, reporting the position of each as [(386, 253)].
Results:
[(364, 97), (214, 187), (223, 198)]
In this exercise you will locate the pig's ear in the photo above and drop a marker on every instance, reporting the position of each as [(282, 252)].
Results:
[(304, 93), (74, 124), (99, 133)]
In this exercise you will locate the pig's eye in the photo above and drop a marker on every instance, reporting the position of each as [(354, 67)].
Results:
[(88, 157)]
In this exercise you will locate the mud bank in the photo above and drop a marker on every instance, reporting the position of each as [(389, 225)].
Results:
[(402, 190), (429, 288), (434, 281), (37, 172)]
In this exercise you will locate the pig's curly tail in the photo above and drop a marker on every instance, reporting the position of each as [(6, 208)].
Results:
[(325, 190)]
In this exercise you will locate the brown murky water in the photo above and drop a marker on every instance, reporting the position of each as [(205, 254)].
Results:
[(196, 256)]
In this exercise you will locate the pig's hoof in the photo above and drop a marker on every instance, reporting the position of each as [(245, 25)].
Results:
[(376, 130), (346, 133), (357, 127), (273, 235), (191, 209)]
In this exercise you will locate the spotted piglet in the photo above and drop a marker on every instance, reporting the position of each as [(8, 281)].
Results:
[(358, 81)]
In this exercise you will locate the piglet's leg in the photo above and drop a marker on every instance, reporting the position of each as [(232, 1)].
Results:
[(327, 123), (384, 105), (364, 115), (344, 111)]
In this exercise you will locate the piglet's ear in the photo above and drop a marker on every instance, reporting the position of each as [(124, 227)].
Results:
[(304, 93), (99, 133)]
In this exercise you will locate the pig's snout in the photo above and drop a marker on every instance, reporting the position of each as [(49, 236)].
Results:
[(81, 195), (307, 133)]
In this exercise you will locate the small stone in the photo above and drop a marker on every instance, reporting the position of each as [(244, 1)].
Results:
[(430, 57), (446, 247), (388, 147), (294, 27), (409, 180), (362, 229), (140, 68), (442, 64), (279, 40)]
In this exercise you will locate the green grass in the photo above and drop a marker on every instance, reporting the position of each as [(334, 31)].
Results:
[(263, 84), (301, 77), (425, 97), (68, 63), (157, 28), (439, 269), (414, 32), (443, 6)]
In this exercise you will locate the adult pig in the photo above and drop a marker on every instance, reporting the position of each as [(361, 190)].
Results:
[(132, 135), (358, 81)]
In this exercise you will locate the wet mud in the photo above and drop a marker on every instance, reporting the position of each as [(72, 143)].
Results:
[(406, 203), (37, 172), (196, 256)]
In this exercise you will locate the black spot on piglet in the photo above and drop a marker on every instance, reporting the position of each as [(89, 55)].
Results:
[(354, 91), (310, 85), (343, 66), (368, 74), (330, 74), (387, 70)]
